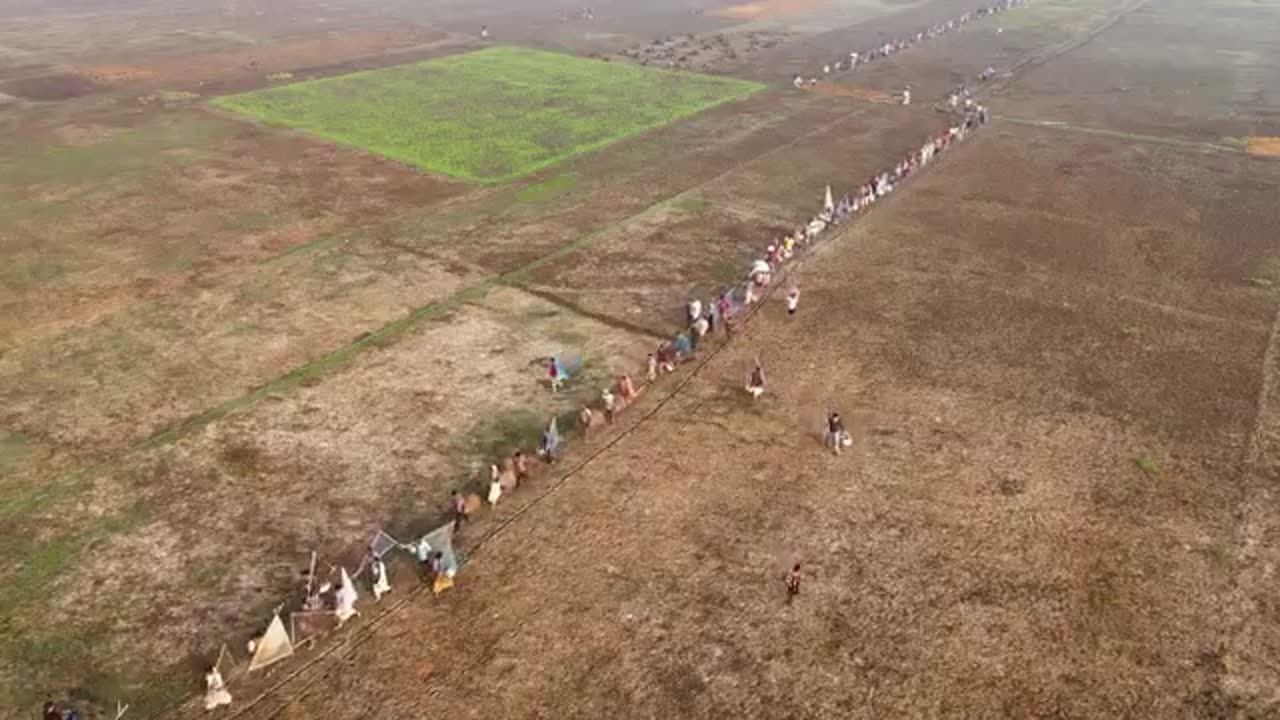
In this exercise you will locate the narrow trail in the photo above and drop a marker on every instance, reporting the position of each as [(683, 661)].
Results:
[(602, 318), (1242, 679), (1040, 58), (1121, 135)]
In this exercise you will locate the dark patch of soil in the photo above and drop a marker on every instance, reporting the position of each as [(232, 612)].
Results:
[(50, 88)]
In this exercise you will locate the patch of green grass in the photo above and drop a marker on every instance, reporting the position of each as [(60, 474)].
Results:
[(208, 575), (691, 205), (131, 151), (1222, 555), (1147, 465), (247, 222), (491, 115), (568, 336), (43, 271), (499, 435), (36, 563), (73, 661), (727, 272), (547, 189)]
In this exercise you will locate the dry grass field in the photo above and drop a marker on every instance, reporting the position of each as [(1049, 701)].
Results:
[(224, 346)]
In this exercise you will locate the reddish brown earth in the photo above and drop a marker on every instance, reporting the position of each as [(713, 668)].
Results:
[(50, 87), (226, 345), (296, 57)]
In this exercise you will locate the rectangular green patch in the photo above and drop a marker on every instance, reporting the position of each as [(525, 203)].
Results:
[(490, 115)]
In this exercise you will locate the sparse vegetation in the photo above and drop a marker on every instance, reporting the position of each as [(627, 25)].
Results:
[(547, 189), (1147, 465)]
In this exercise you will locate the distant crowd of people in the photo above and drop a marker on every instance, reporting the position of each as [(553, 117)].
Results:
[(853, 59)]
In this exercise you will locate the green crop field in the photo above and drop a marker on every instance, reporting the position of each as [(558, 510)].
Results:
[(490, 115)]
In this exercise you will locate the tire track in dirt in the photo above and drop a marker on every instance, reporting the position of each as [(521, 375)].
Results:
[(1245, 677), (602, 318), (1035, 60), (1121, 135), (1265, 423)]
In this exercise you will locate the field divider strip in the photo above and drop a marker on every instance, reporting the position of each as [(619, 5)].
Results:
[(599, 317), (1122, 135)]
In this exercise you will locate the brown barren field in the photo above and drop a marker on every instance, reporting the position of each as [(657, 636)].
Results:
[(224, 346)]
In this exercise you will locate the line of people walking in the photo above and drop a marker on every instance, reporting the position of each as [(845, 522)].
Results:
[(853, 59)]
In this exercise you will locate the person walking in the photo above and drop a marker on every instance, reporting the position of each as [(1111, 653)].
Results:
[(521, 465), (695, 310), (459, 506), (610, 403), (835, 432), (793, 583), (215, 690), (379, 582), (495, 486), (793, 300), (755, 383), (549, 446), (555, 375)]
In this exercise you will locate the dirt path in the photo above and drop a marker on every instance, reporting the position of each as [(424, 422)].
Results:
[(1245, 671), (1134, 137)]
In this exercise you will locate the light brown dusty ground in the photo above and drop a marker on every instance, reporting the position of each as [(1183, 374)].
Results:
[(1052, 349)]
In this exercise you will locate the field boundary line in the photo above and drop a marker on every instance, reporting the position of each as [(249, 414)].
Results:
[(1255, 494), (1266, 391), (1035, 60), (1122, 135), (603, 318)]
